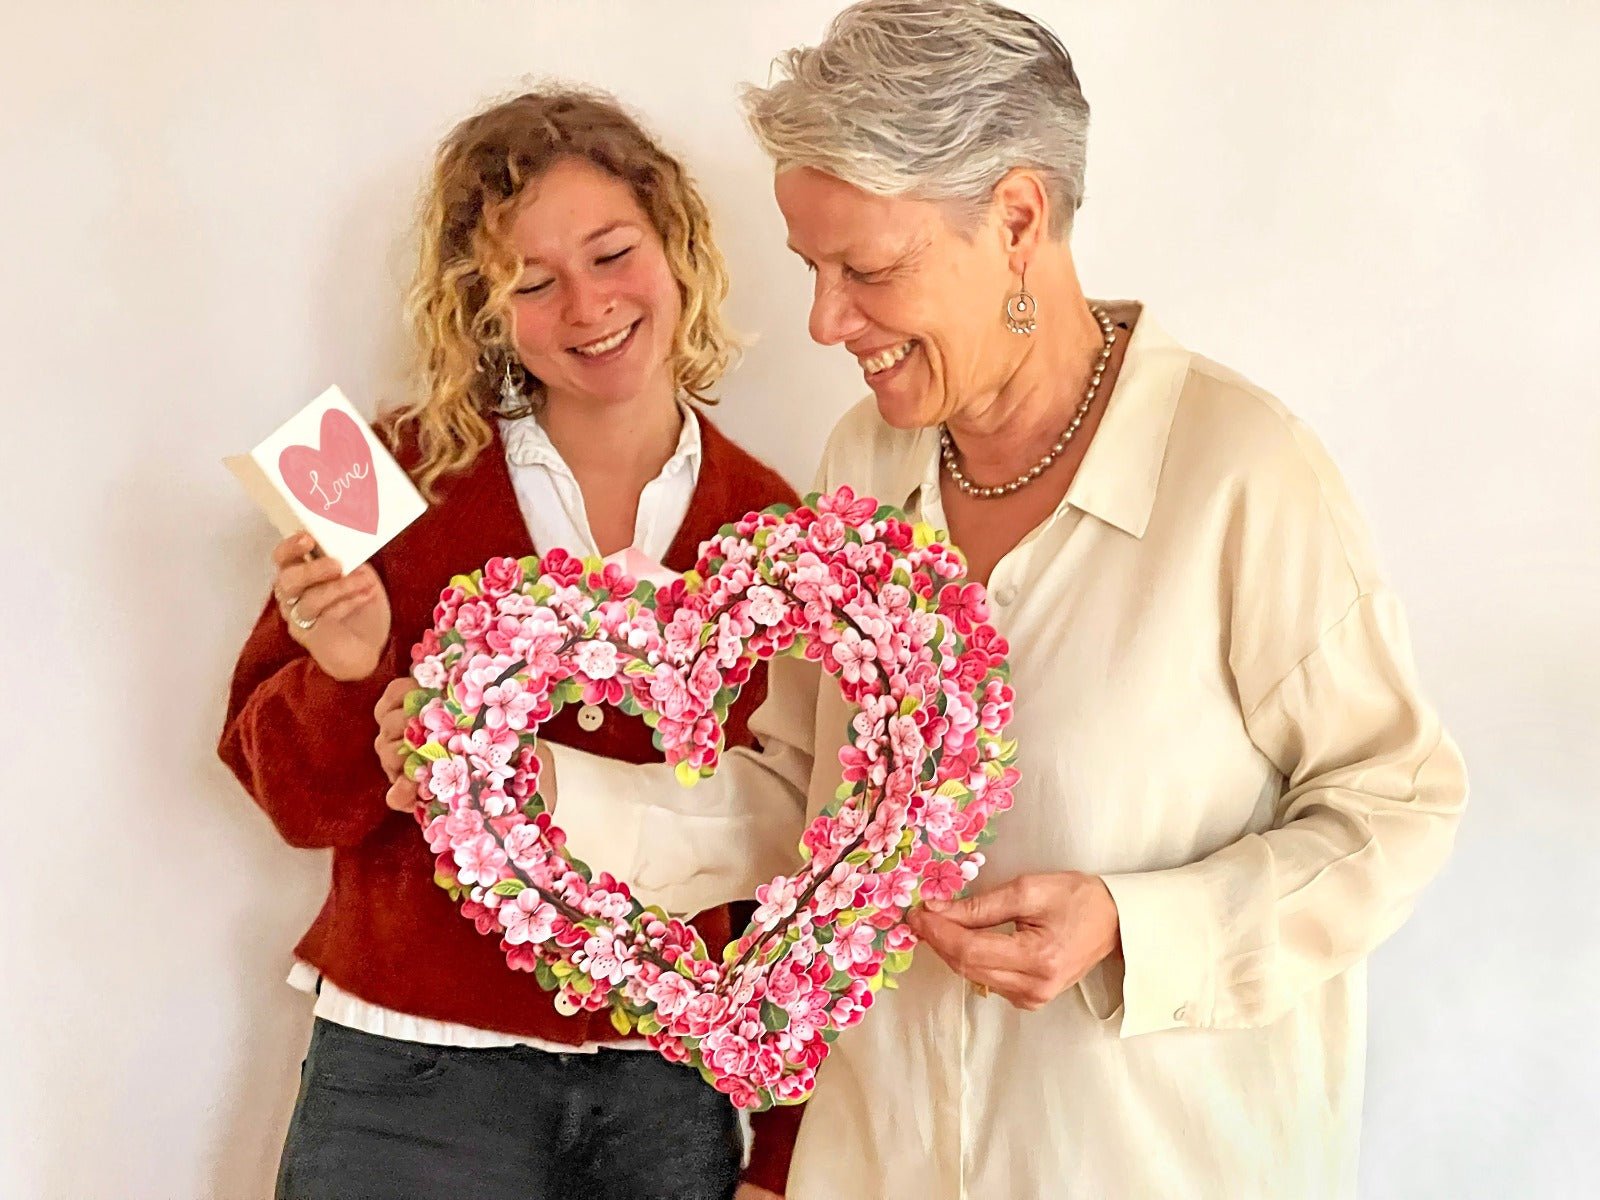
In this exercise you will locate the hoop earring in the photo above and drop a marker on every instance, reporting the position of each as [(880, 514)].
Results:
[(1022, 310)]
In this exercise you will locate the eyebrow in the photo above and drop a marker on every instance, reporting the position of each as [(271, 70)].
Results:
[(612, 227), (605, 229)]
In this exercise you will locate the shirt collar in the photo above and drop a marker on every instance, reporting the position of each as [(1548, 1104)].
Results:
[(1117, 479), (528, 445)]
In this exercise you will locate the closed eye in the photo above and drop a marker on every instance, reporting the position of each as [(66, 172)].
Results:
[(611, 258), (867, 276), (534, 288)]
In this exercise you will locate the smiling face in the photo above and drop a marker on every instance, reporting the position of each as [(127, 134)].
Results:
[(596, 308), (916, 301)]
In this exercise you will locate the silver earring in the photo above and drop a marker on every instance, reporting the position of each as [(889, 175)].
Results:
[(1022, 310), (510, 393)]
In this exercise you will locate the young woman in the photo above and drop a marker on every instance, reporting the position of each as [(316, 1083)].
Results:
[(566, 308)]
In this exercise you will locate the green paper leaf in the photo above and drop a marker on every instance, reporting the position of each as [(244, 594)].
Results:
[(467, 583), (896, 961), (621, 1021), (773, 1017), (508, 887)]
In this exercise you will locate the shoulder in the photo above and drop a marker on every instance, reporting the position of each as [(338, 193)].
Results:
[(1231, 436), (752, 482)]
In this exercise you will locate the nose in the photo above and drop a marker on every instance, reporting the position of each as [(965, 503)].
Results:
[(588, 300), (834, 317)]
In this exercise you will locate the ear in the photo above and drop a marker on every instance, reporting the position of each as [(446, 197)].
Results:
[(1022, 207)]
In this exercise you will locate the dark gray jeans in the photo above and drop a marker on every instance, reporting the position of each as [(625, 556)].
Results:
[(380, 1119)]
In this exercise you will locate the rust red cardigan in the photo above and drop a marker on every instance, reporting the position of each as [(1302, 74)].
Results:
[(301, 744)]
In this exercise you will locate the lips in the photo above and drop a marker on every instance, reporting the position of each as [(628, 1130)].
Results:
[(882, 360), (609, 344)]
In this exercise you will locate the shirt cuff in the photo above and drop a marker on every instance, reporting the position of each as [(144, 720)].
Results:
[(603, 823), (1166, 951)]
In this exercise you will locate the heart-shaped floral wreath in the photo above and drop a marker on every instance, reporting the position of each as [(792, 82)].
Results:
[(884, 607)]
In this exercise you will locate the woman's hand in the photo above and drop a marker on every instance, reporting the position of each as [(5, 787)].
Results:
[(751, 1191), (392, 721), (1064, 925), (349, 616), (390, 712)]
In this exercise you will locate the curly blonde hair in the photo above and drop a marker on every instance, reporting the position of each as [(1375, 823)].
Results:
[(459, 305)]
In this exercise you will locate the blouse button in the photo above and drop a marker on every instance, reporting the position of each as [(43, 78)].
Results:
[(1006, 595), (590, 718)]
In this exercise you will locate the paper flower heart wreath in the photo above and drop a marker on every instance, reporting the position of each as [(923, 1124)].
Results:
[(883, 606)]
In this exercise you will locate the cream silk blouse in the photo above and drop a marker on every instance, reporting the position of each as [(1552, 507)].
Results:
[(1216, 712)]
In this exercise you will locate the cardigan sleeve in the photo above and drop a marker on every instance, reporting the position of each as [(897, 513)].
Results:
[(300, 741), (773, 1135)]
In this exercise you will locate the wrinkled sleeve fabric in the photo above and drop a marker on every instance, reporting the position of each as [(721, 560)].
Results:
[(289, 739), (692, 848), (1373, 786)]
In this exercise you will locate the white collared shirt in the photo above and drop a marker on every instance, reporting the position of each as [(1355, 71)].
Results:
[(552, 506), (552, 503), (1216, 712)]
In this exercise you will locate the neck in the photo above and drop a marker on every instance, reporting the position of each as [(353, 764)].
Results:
[(614, 441), (1001, 435)]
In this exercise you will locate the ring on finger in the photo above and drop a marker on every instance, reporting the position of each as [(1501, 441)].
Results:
[(300, 623)]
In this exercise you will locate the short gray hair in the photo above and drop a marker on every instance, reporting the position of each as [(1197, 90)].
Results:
[(935, 99)]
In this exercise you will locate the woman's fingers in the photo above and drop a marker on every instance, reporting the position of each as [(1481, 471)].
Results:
[(292, 549), (333, 599), (1024, 991), (347, 603), (1008, 902), (1012, 965), (389, 742), (298, 578), (394, 697), (402, 795), (965, 950)]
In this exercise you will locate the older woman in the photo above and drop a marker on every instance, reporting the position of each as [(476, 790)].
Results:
[(1232, 788)]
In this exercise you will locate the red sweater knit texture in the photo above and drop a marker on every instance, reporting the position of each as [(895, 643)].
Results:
[(301, 743)]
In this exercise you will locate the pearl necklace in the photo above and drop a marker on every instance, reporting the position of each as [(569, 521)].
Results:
[(947, 445)]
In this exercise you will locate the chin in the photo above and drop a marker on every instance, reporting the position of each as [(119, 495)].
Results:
[(907, 412)]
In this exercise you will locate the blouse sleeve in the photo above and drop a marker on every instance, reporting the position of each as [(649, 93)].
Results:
[(691, 848), (1373, 785)]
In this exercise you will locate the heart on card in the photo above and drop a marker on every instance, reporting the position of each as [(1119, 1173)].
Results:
[(883, 607), (334, 479)]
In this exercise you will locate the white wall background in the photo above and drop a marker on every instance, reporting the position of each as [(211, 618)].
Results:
[(1385, 212)]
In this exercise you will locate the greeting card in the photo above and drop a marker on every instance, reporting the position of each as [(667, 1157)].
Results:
[(325, 471)]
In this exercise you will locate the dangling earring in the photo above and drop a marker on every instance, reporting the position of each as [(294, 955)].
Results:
[(516, 398), (1022, 310), (510, 393)]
